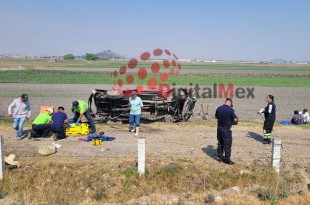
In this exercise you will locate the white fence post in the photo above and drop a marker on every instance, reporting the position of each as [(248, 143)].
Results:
[(2, 163), (275, 154), (141, 155)]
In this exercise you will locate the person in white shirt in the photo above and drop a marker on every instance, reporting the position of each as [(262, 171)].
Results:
[(305, 116)]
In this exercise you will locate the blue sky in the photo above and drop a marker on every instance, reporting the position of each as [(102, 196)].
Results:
[(196, 29)]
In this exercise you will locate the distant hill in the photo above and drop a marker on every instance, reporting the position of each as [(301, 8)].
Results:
[(277, 60), (109, 55)]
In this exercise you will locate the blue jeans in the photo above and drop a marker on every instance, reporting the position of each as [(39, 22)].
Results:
[(18, 125), (134, 120)]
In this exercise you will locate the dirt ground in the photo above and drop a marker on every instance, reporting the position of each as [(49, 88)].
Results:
[(190, 140), (198, 139), (186, 71), (286, 99)]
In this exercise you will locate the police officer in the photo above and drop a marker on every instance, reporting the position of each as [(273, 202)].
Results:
[(226, 118)]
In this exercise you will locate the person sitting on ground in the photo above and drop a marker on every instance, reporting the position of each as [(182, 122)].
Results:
[(80, 109), (41, 126), (297, 118), (60, 120), (305, 116)]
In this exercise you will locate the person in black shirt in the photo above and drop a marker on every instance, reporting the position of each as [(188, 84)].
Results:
[(226, 117), (270, 118), (297, 118), (59, 119)]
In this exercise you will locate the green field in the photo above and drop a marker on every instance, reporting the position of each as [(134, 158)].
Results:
[(71, 77)]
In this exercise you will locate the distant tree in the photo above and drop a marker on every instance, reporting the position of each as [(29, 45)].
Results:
[(91, 57), (69, 57)]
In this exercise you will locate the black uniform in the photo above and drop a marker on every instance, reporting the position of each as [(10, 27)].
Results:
[(270, 118), (225, 115)]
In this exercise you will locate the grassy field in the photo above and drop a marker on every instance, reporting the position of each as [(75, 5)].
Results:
[(71, 77), (116, 181)]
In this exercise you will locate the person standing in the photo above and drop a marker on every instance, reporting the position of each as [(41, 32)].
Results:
[(41, 126), (59, 120), (135, 104), (21, 111), (270, 117), (80, 109), (226, 117)]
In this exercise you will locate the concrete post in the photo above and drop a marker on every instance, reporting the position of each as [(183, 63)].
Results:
[(141, 155), (275, 154), (2, 162)]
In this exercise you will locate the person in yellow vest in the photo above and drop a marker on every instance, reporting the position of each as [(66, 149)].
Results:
[(80, 109), (41, 126)]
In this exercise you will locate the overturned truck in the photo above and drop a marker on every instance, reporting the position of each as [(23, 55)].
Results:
[(173, 106)]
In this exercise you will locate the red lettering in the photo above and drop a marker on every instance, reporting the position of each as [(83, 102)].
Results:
[(226, 92)]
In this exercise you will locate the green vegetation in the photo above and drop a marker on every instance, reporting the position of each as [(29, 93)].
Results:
[(261, 80), (55, 77), (69, 57), (72, 77), (116, 181), (91, 57)]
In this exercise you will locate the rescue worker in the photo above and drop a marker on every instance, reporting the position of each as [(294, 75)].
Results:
[(60, 119), (41, 126), (80, 109), (226, 117), (270, 118)]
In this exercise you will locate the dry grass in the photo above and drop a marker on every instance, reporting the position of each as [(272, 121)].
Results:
[(72, 180)]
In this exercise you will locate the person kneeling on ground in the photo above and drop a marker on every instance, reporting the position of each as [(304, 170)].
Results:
[(60, 120), (41, 126), (297, 118), (80, 109)]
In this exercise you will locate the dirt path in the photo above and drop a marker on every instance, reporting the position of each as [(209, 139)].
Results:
[(175, 140), (188, 141)]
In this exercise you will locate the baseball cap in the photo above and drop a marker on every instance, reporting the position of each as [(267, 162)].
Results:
[(75, 103), (49, 110), (133, 93), (24, 96), (230, 100)]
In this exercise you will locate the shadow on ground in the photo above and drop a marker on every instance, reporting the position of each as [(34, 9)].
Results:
[(211, 151), (255, 136)]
